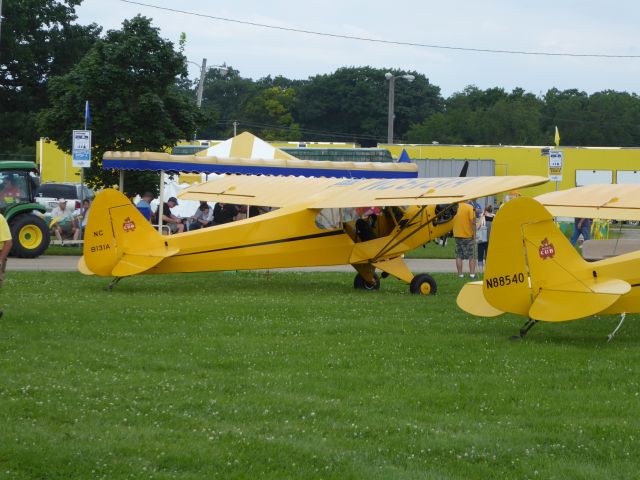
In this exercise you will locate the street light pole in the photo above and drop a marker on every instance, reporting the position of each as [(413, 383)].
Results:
[(203, 71), (0, 18), (392, 92), (391, 113)]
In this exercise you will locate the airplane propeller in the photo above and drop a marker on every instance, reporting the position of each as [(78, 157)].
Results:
[(465, 167)]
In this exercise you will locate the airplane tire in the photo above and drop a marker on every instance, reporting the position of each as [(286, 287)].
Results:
[(360, 283), (423, 284)]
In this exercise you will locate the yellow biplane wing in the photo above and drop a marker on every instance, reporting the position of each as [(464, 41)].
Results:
[(257, 190), (338, 193), (611, 201)]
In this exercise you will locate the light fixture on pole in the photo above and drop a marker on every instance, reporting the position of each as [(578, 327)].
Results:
[(203, 71), (392, 88), (223, 69)]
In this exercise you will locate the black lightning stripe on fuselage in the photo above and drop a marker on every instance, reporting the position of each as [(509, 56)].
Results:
[(270, 242)]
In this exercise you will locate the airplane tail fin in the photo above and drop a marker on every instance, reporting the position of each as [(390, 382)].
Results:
[(119, 241), (533, 270)]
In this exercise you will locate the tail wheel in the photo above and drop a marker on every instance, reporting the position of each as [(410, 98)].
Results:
[(30, 236), (423, 284), (359, 283)]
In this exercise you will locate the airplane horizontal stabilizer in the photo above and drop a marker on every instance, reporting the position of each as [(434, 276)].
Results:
[(132, 264), (82, 267), (471, 300), (563, 305)]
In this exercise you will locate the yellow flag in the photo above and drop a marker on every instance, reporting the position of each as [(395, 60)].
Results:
[(556, 138)]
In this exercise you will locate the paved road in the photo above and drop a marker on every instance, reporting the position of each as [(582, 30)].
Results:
[(56, 263)]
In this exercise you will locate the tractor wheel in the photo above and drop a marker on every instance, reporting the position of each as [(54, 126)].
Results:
[(30, 236), (423, 284), (360, 283)]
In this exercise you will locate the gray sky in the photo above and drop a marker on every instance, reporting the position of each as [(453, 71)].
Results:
[(570, 26)]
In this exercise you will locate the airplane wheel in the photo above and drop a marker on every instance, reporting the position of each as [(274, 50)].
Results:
[(360, 283), (423, 284)]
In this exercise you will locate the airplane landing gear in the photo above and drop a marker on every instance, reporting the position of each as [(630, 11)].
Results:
[(359, 283), (524, 330), (113, 283), (623, 315), (423, 284)]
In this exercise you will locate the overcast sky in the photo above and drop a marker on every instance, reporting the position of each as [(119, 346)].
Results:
[(571, 26)]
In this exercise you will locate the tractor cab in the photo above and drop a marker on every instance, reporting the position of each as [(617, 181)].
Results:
[(18, 184)]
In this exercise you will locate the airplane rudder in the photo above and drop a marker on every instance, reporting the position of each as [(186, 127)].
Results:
[(506, 278), (100, 247), (551, 257)]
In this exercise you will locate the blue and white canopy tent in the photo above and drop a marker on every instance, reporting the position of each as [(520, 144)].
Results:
[(246, 154), (249, 155)]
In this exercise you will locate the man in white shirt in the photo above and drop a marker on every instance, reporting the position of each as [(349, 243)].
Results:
[(63, 218)]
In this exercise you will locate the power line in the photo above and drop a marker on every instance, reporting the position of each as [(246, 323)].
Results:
[(319, 133), (379, 40)]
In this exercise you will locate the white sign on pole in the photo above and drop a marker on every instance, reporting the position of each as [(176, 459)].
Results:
[(81, 149), (555, 165)]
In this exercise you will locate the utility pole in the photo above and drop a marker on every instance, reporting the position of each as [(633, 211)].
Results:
[(391, 112), (235, 127), (203, 72), (0, 19)]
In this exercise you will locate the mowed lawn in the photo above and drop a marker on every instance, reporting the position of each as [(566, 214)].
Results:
[(295, 375)]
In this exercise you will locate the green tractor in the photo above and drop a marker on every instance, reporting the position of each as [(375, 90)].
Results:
[(18, 185)]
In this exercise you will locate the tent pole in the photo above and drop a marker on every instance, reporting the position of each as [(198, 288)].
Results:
[(161, 206), (121, 183)]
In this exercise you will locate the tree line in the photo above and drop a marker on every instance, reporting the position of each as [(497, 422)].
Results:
[(142, 99)]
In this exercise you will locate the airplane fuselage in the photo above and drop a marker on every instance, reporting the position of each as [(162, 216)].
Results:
[(295, 237)]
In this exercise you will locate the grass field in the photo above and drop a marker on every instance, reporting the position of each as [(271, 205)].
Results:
[(293, 375)]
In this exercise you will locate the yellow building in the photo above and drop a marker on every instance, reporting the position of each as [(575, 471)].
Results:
[(581, 165), (54, 164)]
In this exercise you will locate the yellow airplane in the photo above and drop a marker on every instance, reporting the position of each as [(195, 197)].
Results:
[(313, 224), (534, 271)]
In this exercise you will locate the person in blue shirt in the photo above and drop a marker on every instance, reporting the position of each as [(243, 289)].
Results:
[(581, 226), (144, 206)]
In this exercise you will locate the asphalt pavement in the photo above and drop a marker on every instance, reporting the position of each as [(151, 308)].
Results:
[(61, 263)]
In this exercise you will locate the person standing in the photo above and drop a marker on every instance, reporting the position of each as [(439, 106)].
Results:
[(6, 242), (483, 234), (581, 226), (464, 229)]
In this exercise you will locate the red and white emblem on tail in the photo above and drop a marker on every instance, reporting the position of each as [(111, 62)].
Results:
[(128, 225), (547, 250)]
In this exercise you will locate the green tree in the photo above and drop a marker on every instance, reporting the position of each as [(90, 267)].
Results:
[(39, 40), (224, 97), (351, 104), (606, 118), (492, 116), (268, 114), (130, 79)]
